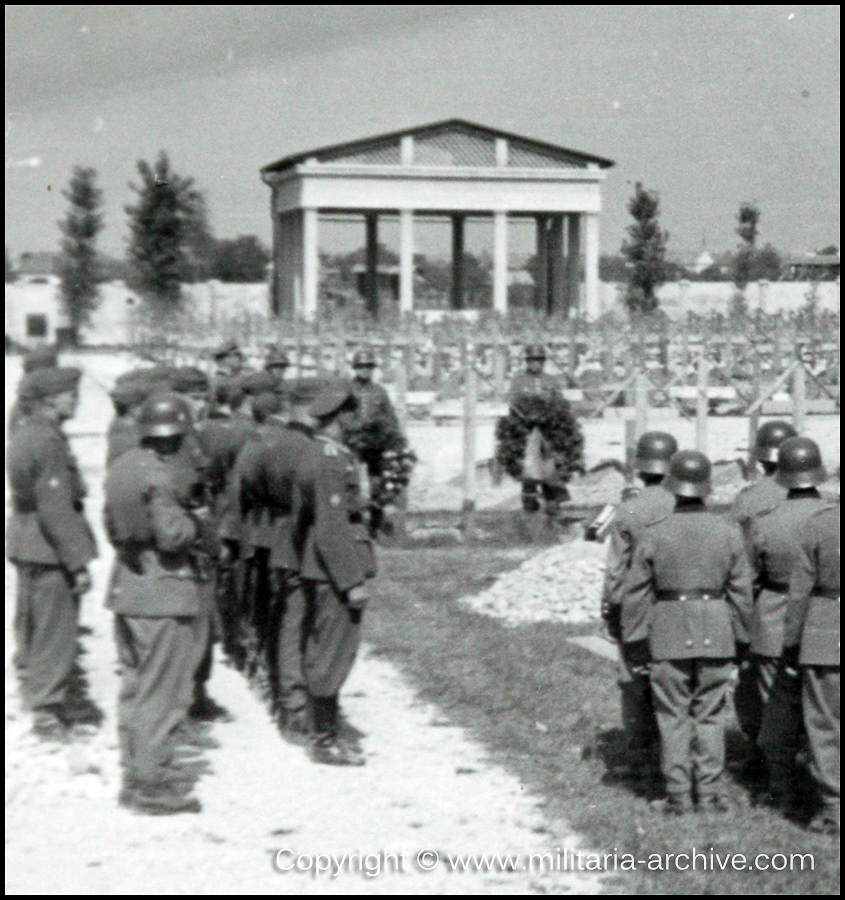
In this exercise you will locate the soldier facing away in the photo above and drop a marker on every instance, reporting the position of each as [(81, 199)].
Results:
[(639, 509), (686, 607), (812, 645), (50, 543), (774, 538)]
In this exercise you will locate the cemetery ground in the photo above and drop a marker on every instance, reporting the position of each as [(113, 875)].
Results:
[(481, 736)]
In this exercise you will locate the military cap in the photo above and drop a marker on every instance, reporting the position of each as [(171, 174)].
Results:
[(131, 388), (227, 348), (276, 357), (48, 383), (257, 383), (303, 391), (535, 351), (332, 399), (267, 403), (800, 463), (40, 358), (769, 437), (689, 474), (364, 358), (190, 380), (228, 391), (654, 450), (164, 415)]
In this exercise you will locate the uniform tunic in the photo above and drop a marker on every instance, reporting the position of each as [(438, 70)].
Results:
[(687, 597), (48, 539), (774, 537), (631, 518), (757, 497), (812, 627), (156, 594), (337, 556)]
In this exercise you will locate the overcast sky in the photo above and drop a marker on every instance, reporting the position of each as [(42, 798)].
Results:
[(710, 106)]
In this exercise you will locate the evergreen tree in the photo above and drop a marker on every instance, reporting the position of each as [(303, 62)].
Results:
[(645, 250), (170, 241), (78, 268), (747, 219)]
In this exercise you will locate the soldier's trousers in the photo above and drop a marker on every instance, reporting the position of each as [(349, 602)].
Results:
[(691, 703), (780, 730), (753, 690), (318, 643), (820, 701), (203, 641), (157, 657), (638, 718), (46, 621)]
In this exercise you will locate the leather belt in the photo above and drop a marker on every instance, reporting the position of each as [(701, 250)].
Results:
[(778, 587), (699, 594), (831, 594)]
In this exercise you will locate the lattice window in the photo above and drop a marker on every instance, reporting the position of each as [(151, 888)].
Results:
[(454, 148), (379, 155), (524, 156)]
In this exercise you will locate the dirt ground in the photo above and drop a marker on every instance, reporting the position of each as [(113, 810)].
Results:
[(426, 786)]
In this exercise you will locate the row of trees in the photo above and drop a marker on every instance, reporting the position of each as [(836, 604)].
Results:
[(170, 241), (645, 266)]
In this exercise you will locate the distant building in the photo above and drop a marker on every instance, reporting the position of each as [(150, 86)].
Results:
[(38, 263), (812, 267)]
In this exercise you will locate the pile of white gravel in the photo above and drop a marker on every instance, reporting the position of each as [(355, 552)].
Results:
[(561, 584)]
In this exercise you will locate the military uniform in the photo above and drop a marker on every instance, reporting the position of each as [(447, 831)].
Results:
[(640, 510), (48, 540), (774, 537), (156, 595), (686, 605), (337, 558), (812, 635)]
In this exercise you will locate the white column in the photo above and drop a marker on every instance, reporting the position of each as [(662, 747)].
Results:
[(406, 260), (310, 263), (500, 262), (592, 307)]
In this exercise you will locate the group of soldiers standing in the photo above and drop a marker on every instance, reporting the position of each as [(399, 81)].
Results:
[(707, 607), (235, 510)]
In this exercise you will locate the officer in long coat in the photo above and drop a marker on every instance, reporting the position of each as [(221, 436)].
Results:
[(156, 594), (760, 495), (812, 643), (336, 562), (774, 538), (49, 541), (686, 607), (640, 508)]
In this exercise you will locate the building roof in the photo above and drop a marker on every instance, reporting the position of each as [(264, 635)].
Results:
[(452, 142)]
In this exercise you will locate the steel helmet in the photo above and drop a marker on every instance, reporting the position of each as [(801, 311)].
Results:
[(689, 474), (535, 351), (164, 415), (800, 463), (769, 437), (654, 450), (364, 358)]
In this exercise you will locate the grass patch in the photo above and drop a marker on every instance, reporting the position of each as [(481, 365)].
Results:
[(549, 712)]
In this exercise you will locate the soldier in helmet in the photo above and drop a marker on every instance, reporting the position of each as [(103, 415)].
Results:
[(374, 412), (49, 542), (686, 606), (156, 595), (229, 359), (638, 509), (811, 645), (277, 361), (758, 496), (774, 538), (534, 382)]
